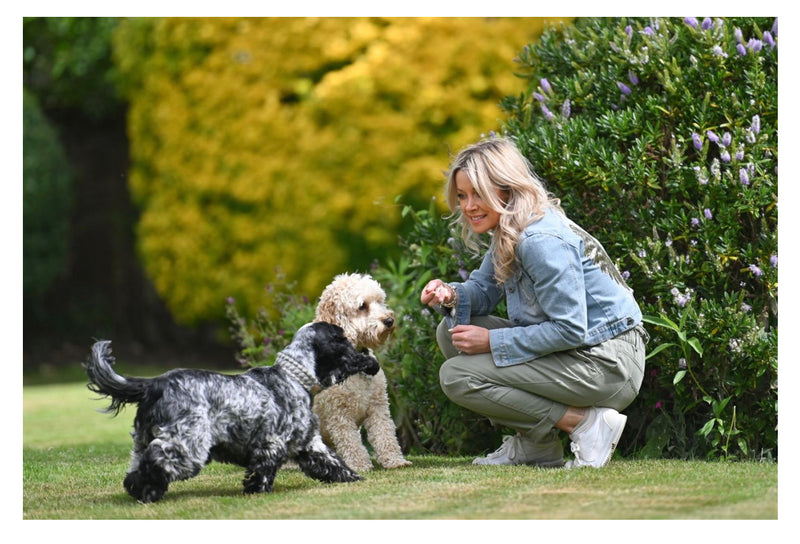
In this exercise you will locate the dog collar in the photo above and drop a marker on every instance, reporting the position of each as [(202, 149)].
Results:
[(299, 372)]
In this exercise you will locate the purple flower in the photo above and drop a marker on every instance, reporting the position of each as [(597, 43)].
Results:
[(463, 273), (267, 341), (624, 89), (712, 136), (629, 29), (658, 405), (707, 23), (755, 45), (741, 50), (769, 39), (633, 78), (539, 97), (682, 363), (648, 31), (707, 213), (740, 153), (726, 139), (738, 33), (547, 113), (775, 27), (756, 271), (545, 85), (691, 21), (718, 52), (695, 222), (697, 140), (642, 253), (744, 179), (773, 261), (566, 109), (626, 275), (745, 307), (230, 300), (725, 156), (755, 124)]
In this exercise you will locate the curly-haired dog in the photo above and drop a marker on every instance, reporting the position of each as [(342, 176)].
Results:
[(258, 419), (357, 303)]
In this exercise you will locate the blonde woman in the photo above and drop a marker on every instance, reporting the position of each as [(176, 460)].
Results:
[(570, 356)]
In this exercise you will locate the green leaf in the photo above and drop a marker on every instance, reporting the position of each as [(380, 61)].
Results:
[(707, 428), (661, 322), (678, 377), (695, 343), (660, 348)]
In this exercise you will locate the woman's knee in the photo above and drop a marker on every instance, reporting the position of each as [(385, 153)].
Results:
[(451, 378)]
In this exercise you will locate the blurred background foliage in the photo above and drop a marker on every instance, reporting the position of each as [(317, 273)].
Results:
[(212, 157), (272, 150)]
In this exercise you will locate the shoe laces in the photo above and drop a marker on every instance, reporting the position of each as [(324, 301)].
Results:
[(576, 450)]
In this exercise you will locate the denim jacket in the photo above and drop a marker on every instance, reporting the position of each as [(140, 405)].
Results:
[(559, 298)]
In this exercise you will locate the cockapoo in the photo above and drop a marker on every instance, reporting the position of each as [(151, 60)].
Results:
[(357, 303), (257, 419)]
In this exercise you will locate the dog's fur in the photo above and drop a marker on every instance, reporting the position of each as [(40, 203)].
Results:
[(258, 419), (357, 303)]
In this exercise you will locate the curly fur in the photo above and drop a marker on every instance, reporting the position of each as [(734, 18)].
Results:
[(258, 419), (357, 303)]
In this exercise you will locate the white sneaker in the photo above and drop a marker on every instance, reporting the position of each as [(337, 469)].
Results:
[(520, 450), (594, 445)]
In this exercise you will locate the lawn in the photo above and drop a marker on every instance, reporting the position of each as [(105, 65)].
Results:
[(74, 460)]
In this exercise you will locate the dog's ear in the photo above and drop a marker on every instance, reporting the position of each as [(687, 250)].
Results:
[(335, 356)]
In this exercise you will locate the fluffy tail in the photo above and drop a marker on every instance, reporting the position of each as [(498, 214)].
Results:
[(103, 380)]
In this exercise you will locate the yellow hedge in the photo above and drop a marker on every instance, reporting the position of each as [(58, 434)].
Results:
[(272, 149)]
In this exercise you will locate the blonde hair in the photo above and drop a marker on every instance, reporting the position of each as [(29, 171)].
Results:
[(496, 164)]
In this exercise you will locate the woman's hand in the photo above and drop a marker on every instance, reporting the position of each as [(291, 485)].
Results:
[(437, 292), (470, 339)]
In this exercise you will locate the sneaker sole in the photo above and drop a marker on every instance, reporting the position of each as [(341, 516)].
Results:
[(547, 464), (615, 440)]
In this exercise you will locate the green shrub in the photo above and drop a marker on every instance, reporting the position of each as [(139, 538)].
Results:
[(46, 197), (67, 64), (660, 136)]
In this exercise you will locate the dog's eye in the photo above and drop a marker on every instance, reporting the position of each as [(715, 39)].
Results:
[(364, 306)]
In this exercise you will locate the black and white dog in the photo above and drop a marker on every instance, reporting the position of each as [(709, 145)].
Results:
[(258, 419)]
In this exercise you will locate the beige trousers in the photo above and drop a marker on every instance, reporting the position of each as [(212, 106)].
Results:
[(531, 397)]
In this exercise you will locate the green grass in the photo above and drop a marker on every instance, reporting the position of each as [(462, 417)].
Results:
[(74, 460)]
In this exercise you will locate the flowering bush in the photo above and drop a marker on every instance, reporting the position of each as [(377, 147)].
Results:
[(660, 136)]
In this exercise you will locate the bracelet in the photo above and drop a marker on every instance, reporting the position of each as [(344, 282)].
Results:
[(454, 300)]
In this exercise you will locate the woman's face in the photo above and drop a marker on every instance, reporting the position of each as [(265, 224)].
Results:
[(481, 218)]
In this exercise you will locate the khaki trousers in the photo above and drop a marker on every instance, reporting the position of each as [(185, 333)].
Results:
[(532, 397)]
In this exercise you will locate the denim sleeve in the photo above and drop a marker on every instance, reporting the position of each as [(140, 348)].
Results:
[(479, 295), (555, 267)]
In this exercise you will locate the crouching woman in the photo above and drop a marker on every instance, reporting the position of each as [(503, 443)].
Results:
[(570, 356)]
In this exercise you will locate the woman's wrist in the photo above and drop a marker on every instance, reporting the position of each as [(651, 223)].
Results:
[(453, 297)]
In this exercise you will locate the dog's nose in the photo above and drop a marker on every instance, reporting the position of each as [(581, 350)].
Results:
[(389, 322)]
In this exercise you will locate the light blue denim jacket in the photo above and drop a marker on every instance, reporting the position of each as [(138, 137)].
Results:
[(558, 299)]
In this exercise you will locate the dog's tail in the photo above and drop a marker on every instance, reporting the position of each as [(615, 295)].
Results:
[(103, 380)]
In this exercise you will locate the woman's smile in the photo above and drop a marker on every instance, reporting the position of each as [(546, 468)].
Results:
[(480, 216)]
